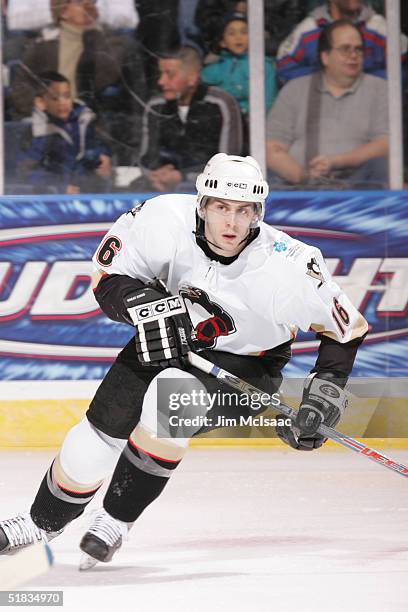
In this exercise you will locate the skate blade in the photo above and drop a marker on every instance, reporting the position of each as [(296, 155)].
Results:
[(87, 562)]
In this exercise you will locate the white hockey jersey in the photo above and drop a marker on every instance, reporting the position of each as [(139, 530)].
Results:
[(276, 285)]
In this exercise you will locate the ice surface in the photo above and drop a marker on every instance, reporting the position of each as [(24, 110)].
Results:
[(242, 529)]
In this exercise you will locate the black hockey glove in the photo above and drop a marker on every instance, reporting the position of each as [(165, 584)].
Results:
[(323, 401), (163, 328)]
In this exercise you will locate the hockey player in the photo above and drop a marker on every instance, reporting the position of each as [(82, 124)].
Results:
[(247, 288)]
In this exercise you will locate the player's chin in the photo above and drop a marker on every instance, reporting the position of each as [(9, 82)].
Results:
[(230, 244)]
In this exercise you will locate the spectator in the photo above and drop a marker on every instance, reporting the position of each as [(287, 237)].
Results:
[(332, 124), (209, 14), (105, 71), (184, 126), (297, 55), (60, 150), (231, 71), (280, 17)]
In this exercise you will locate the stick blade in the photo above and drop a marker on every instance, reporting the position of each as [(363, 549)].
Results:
[(26, 565)]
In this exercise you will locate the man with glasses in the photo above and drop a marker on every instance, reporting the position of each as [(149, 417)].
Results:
[(331, 125), (297, 55)]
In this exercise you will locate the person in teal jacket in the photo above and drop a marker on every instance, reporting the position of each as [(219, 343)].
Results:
[(231, 70)]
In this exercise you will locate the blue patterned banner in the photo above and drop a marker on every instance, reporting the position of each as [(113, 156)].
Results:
[(51, 327)]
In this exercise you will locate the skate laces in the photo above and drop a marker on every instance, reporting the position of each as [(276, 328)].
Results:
[(21, 530), (108, 529)]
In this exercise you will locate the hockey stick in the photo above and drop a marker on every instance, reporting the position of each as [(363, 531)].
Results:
[(26, 565), (328, 432)]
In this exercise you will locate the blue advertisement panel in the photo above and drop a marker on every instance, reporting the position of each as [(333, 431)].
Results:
[(51, 327)]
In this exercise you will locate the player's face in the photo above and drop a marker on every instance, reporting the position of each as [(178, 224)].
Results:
[(235, 37), (345, 58), (58, 100), (175, 81), (227, 224)]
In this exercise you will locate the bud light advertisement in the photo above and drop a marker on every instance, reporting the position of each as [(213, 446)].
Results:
[(51, 327)]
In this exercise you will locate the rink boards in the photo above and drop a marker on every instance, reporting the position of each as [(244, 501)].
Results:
[(55, 345), (382, 422)]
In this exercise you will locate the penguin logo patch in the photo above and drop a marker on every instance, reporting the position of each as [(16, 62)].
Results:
[(313, 270)]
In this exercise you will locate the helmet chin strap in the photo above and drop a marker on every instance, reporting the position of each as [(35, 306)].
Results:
[(202, 236)]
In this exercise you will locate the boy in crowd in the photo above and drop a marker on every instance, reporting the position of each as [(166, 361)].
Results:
[(60, 151), (230, 71)]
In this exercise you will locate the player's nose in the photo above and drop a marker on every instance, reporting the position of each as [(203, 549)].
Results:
[(230, 218)]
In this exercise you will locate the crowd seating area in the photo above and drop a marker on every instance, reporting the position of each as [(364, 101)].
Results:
[(136, 95)]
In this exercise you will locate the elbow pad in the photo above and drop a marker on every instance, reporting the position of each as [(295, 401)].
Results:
[(111, 292)]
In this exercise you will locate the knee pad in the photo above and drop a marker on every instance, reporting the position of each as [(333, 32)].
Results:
[(163, 401), (147, 443), (153, 434), (87, 455)]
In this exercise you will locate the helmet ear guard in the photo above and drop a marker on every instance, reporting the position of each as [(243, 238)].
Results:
[(231, 177)]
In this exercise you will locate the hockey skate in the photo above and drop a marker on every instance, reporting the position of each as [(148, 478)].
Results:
[(21, 531), (103, 538)]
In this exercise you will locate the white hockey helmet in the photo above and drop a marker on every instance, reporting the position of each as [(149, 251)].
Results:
[(232, 177)]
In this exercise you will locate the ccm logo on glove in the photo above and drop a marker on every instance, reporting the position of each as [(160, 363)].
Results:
[(156, 310)]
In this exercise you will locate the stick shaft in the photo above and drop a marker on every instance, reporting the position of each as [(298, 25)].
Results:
[(328, 432)]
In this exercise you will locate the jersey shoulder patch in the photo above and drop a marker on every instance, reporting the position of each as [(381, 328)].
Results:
[(289, 248), (314, 271), (306, 259)]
